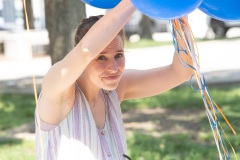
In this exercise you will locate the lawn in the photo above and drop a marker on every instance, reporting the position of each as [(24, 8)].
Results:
[(17, 149), (143, 43), (182, 132), (186, 130)]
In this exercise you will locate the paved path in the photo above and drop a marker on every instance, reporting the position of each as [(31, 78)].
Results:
[(218, 59)]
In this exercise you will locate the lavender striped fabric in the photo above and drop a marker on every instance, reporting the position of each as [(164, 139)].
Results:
[(77, 136)]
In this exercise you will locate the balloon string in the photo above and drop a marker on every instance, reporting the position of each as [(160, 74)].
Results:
[(220, 111), (212, 110), (34, 81), (210, 104), (228, 141)]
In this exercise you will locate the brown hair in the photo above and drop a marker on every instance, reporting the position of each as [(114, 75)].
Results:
[(86, 24)]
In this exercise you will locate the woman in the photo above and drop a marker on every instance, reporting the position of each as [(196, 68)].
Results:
[(78, 112)]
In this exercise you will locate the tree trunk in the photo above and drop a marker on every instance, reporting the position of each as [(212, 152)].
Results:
[(29, 14), (62, 19), (146, 27)]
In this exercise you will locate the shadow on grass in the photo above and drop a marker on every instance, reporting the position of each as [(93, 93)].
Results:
[(183, 98), (9, 141)]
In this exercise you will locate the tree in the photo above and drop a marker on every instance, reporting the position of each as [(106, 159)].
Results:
[(62, 19), (146, 24), (29, 14)]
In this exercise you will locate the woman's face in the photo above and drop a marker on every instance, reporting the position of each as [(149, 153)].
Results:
[(105, 71)]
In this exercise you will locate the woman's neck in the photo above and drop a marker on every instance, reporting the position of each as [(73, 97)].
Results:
[(90, 90)]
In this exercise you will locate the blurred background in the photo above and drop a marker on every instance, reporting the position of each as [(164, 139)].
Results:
[(170, 126)]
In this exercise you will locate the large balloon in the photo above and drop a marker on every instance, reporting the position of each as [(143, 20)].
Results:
[(166, 9), (104, 4), (225, 10)]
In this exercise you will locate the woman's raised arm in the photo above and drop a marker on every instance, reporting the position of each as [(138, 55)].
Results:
[(64, 73), (145, 83)]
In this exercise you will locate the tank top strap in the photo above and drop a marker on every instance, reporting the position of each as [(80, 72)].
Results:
[(77, 87), (115, 120)]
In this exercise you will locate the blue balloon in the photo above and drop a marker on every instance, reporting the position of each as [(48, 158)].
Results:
[(224, 10), (166, 9), (103, 4)]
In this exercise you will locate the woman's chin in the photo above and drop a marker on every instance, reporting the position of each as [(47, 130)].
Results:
[(110, 84), (110, 87)]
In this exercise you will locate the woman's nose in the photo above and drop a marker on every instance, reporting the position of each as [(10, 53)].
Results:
[(112, 66)]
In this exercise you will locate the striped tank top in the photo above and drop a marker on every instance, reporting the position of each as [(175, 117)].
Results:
[(78, 138)]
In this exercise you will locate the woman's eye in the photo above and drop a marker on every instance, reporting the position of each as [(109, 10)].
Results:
[(101, 58), (119, 55)]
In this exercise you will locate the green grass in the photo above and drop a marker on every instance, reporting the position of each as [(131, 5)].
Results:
[(170, 147), (16, 109), (185, 97), (186, 146), (16, 149), (143, 43)]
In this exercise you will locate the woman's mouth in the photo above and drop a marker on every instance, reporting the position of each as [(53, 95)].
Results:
[(112, 77)]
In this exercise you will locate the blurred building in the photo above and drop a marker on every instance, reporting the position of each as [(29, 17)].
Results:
[(12, 18), (16, 42)]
